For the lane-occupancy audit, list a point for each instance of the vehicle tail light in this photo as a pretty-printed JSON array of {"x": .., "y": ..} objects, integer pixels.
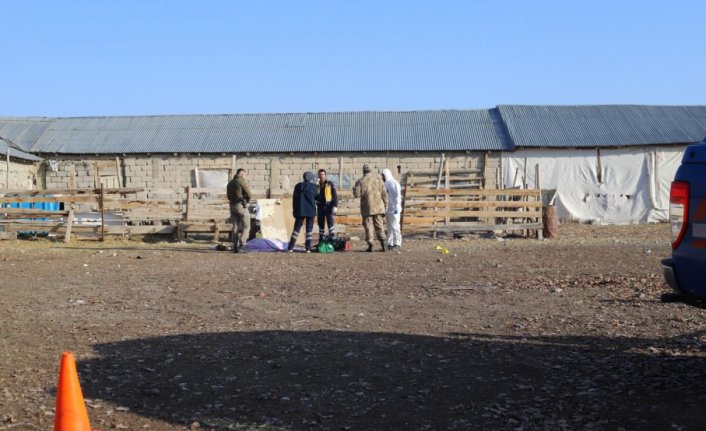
[{"x": 678, "y": 211}]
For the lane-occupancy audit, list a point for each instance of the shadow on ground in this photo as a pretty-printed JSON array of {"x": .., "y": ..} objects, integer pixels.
[{"x": 346, "y": 380}]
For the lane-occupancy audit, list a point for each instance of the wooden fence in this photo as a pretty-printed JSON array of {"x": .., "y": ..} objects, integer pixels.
[
  {"x": 467, "y": 210},
  {"x": 206, "y": 211},
  {"x": 182, "y": 212}
]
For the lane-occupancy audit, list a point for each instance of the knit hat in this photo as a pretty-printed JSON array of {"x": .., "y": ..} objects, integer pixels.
[{"x": 309, "y": 176}]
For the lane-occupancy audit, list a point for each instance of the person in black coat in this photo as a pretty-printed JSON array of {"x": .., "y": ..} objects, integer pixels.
[{"x": 304, "y": 206}]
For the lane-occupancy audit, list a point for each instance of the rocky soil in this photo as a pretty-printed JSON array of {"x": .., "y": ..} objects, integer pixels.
[{"x": 512, "y": 334}]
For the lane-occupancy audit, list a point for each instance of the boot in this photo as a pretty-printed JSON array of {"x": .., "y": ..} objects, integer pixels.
[
  {"x": 383, "y": 245},
  {"x": 236, "y": 245},
  {"x": 370, "y": 248}
]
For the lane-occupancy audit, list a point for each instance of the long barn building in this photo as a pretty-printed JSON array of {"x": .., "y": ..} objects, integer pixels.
[{"x": 607, "y": 163}]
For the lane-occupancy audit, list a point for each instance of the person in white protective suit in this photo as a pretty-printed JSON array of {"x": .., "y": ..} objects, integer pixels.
[{"x": 394, "y": 209}]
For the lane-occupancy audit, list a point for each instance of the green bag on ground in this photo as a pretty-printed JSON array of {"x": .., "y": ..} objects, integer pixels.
[{"x": 325, "y": 247}]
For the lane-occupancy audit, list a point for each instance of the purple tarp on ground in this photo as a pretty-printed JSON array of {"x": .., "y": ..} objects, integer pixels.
[{"x": 263, "y": 244}]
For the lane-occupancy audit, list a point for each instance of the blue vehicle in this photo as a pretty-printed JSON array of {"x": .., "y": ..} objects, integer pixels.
[{"x": 685, "y": 272}]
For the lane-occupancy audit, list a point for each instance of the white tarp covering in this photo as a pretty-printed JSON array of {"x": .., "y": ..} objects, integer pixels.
[
  {"x": 632, "y": 187},
  {"x": 212, "y": 178}
]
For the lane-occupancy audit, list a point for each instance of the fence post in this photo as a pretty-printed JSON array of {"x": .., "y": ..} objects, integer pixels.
[
  {"x": 69, "y": 224},
  {"x": 537, "y": 185},
  {"x": 102, "y": 207}
]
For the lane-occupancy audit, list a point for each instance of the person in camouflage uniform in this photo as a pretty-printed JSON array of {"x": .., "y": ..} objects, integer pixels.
[
  {"x": 239, "y": 197},
  {"x": 373, "y": 202}
]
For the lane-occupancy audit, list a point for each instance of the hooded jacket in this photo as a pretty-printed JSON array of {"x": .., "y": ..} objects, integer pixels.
[
  {"x": 394, "y": 193},
  {"x": 373, "y": 196},
  {"x": 304, "y": 197}
]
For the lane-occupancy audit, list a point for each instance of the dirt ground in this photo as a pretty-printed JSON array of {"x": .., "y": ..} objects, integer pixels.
[{"x": 511, "y": 334}]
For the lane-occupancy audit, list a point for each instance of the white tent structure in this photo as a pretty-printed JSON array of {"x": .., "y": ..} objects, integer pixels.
[
  {"x": 608, "y": 164},
  {"x": 610, "y": 186}
]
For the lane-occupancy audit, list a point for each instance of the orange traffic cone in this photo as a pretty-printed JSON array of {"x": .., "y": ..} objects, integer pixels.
[{"x": 71, "y": 414}]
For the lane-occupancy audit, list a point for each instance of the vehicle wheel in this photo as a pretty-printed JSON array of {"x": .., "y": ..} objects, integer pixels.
[{"x": 672, "y": 297}]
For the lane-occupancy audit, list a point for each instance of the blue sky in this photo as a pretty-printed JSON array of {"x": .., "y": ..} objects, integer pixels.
[{"x": 92, "y": 58}]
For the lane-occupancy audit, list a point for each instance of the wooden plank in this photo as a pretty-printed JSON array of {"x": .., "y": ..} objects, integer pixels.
[
  {"x": 420, "y": 174},
  {"x": 156, "y": 217},
  {"x": 67, "y": 198},
  {"x": 478, "y": 214},
  {"x": 147, "y": 230},
  {"x": 143, "y": 201},
  {"x": 8, "y": 235},
  {"x": 205, "y": 227},
  {"x": 71, "y": 191},
  {"x": 96, "y": 174},
  {"x": 422, "y": 220},
  {"x": 340, "y": 173},
  {"x": 473, "y": 204},
  {"x": 21, "y": 225},
  {"x": 452, "y": 178},
  {"x": 188, "y": 199},
  {"x": 487, "y": 227},
  {"x": 152, "y": 210},
  {"x": 446, "y": 197},
  {"x": 442, "y": 161},
  {"x": 208, "y": 216},
  {"x": 54, "y": 217},
  {"x": 118, "y": 172},
  {"x": 404, "y": 201},
  {"x": 25, "y": 193},
  {"x": 77, "y": 229},
  {"x": 69, "y": 224},
  {"x": 180, "y": 232},
  {"x": 31, "y": 212},
  {"x": 474, "y": 192},
  {"x": 127, "y": 207},
  {"x": 102, "y": 209}
]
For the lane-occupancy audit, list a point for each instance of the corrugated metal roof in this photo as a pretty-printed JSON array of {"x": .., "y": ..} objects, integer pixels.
[
  {"x": 16, "y": 153},
  {"x": 312, "y": 132},
  {"x": 502, "y": 128},
  {"x": 24, "y": 132},
  {"x": 603, "y": 125}
]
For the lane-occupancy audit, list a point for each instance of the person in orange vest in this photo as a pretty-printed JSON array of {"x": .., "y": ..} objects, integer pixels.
[{"x": 326, "y": 205}]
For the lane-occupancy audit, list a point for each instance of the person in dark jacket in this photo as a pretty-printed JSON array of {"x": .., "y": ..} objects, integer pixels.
[
  {"x": 239, "y": 196},
  {"x": 304, "y": 206},
  {"x": 326, "y": 205}
]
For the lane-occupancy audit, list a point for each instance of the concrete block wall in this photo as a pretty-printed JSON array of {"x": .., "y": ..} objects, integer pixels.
[
  {"x": 167, "y": 175},
  {"x": 69, "y": 173},
  {"x": 23, "y": 175}
]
